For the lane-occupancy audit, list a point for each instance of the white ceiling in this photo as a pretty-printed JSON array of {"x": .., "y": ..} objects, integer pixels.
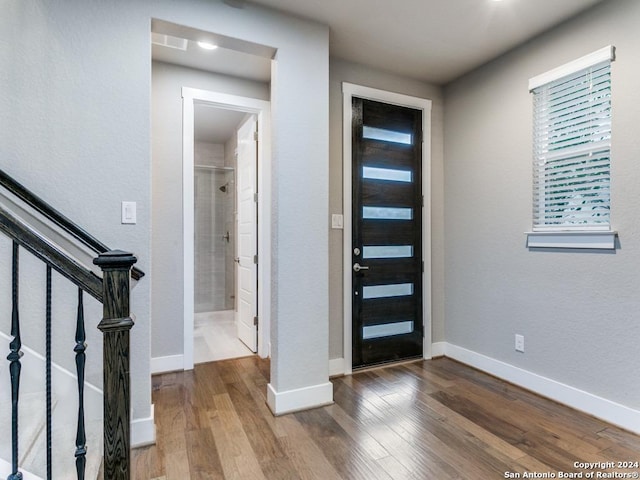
[
  {"x": 431, "y": 40},
  {"x": 215, "y": 125},
  {"x": 221, "y": 60}
]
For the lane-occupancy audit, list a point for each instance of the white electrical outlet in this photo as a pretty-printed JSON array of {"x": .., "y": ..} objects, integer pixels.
[{"x": 519, "y": 343}]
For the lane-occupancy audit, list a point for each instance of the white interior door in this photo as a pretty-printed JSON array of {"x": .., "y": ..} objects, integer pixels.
[{"x": 247, "y": 283}]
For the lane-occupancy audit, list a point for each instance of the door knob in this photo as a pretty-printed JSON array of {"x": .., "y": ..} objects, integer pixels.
[{"x": 357, "y": 267}]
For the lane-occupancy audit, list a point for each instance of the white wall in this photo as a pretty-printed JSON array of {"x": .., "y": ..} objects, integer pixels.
[
  {"x": 75, "y": 102},
  {"x": 342, "y": 71},
  {"x": 578, "y": 311}
]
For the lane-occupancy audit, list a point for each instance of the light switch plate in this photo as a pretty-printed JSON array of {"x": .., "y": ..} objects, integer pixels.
[
  {"x": 129, "y": 212},
  {"x": 337, "y": 221}
]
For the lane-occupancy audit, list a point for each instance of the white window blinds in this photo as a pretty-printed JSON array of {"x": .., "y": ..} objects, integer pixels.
[{"x": 571, "y": 145}]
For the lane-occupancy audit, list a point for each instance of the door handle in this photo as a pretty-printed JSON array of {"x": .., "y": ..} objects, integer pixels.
[{"x": 357, "y": 267}]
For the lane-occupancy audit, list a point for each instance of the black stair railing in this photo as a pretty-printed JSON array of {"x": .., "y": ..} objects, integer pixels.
[
  {"x": 115, "y": 325},
  {"x": 15, "y": 366},
  {"x": 48, "y": 374},
  {"x": 81, "y": 346},
  {"x": 113, "y": 291},
  {"x": 74, "y": 230}
]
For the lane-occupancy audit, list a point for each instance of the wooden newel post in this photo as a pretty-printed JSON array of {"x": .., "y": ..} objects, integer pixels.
[{"x": 115, "y": 325}]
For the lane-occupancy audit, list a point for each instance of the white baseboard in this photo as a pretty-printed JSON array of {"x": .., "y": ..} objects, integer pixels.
[
  {"x": 171, "y": 363},
  {"x": 143, "y": 431},
  {"x": 438, "y": 349},
  {"x": 336, "y": 367},
  {"x": 300, "y": 398},
  {"x": 598, "y": 407}
]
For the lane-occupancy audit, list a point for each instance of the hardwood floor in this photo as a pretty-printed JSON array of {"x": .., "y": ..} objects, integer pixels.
[{"x": 426, "y": 420}]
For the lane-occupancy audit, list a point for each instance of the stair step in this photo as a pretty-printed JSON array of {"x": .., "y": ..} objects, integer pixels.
[
  {"x": 31, "y": 407},
  {"x": 63, "y": 452},
  {"x": 32, "y": 418},
  {"x": 31, "y": 421},
  {"x": 64, "y": 421},
  {"x": 6, "y": 470}
]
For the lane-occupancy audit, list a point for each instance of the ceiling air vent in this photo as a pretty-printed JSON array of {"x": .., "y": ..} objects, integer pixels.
[{"x": 169, "y": 41}]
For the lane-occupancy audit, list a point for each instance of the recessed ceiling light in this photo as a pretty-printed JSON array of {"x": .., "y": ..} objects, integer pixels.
[{"x": 207, "y": 45}]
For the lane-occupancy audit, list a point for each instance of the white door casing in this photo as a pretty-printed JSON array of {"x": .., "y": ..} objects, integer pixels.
[
  {"x": 262, "y": 110},
  {"x": 350, "y": 90},
  {"x": 247, "y": 267}
]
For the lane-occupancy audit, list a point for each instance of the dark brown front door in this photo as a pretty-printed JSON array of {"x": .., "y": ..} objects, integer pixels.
[{"x": 387, "y": 233}]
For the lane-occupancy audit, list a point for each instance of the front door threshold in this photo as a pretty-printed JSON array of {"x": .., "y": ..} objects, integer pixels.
[{"x": 392, "y": 363}]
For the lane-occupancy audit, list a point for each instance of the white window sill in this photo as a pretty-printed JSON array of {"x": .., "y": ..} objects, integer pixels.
[{"x": 598, "y": 240}]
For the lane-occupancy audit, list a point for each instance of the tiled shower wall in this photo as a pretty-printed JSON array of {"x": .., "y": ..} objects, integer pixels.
[
  {"x": 214, "y": 286},
  {"x": 230, "y": 160}
]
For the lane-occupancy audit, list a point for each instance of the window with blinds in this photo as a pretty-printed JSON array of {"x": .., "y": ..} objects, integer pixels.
[{"x": 572, "y": 145}]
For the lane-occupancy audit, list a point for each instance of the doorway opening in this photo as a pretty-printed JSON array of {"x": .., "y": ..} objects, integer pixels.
[
  {"x": 246, "y": 189},
  {"x": 220, "y": 147}
]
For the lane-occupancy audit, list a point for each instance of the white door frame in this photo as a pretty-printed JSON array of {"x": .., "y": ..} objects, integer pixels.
[
  {"x": 349, "y": 91},
  {"x": 262, "y": 109}
]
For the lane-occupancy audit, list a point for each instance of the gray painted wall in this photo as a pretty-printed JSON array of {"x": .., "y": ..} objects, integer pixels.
[
  {"x": 342, "y": 71},
  {"x": 299, "y": 334},
  {"x": 578, "y": 311},
  {"x": 166, "y": 109},
  {"x": 75, "y": 126},
  {"x": 167, "y": 81}
]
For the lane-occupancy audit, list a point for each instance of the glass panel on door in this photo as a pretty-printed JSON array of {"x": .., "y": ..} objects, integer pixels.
[
  {"x": 387, "y": 251},
  {"x": 390, "y": 174},
  {"x": 387, "y": 213},
  {"x": 387, "y": 330},
  {"x": 386, "y": 135}
]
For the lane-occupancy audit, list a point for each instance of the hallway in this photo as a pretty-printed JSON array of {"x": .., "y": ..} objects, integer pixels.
[{"x": 425, "y": 420}]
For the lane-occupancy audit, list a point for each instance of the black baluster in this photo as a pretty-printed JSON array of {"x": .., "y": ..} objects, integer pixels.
[
  {"x": 48, "y": 373},
  {"x": 15, "y": 366},
  {"x": 81, "y": 346}
]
